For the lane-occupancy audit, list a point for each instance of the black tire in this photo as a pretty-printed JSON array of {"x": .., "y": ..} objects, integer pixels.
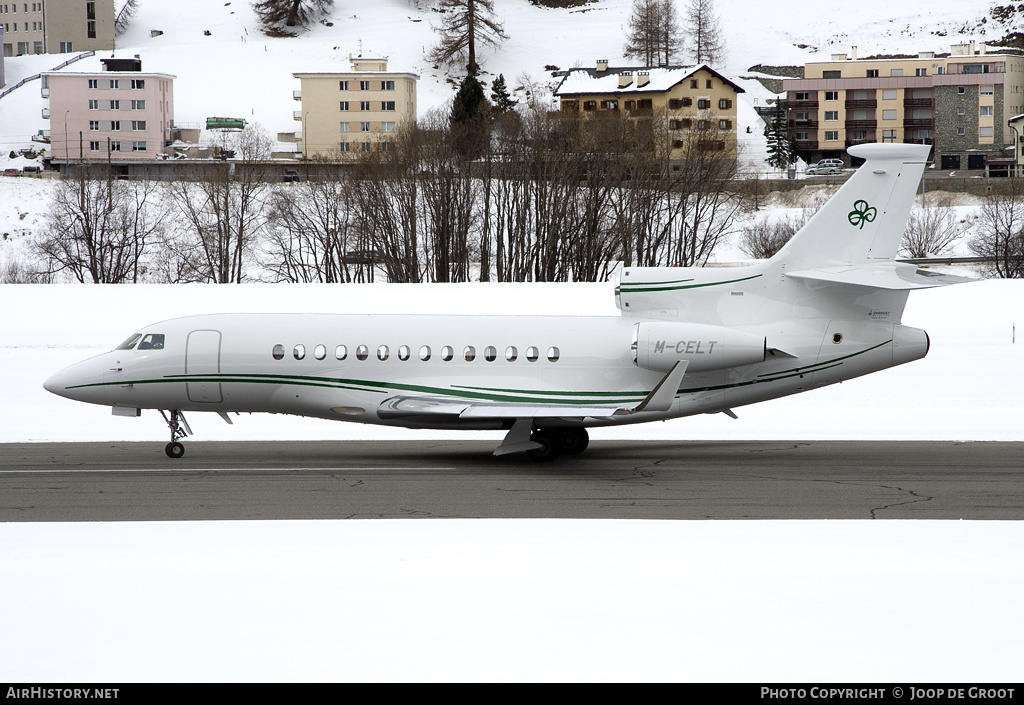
[
  {"x": 548, "y": 450},
  {"x": 174, "y": 450},
  {"x": 572, "y": 441}
]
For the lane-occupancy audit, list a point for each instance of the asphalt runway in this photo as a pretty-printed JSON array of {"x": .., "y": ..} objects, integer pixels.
[{"x": 612, "y": 480}]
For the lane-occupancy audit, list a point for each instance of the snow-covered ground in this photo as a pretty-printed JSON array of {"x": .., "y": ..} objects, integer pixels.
[
  {"x": 515, "y": 600},
  {"x": 501, "y": 600}
]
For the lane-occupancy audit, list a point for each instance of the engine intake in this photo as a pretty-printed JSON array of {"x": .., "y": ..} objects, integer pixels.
[{"x": 658, "y": 345}]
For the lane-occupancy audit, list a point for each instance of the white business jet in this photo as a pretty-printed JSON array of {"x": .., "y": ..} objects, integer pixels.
[{"x": 825, "y": 309}]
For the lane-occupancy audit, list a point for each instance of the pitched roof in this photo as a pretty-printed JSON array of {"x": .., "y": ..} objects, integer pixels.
[{"x": 580, "y": 81}]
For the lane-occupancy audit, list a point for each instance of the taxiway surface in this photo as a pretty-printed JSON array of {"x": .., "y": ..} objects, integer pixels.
[{"x": 438, "y": 479}]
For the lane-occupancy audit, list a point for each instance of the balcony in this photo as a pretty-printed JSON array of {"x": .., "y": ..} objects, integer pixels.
[
  {"x": 917, "y": 102},
  {"x": 44, "y": 92},
  {"x": 866, "y": 103},
  {"x": 46, "y": 113},
  {"x": 927, "y": 123},
  {"x": 851, "y": 143},
  {"x": 297, "y": 115},
  {"x": 806, "y": 145},
  {"x": 809, "y": 124},
  {"x": 927, "y": 140},
  {"x": 799, "y": 104},
  {"x": 296, "y": 95},
  {"x": 861, "y": 124}
]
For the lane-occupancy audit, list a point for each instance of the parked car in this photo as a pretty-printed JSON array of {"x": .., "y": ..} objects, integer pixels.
[
  {"x": 826, "y": 166},
  {"x": 31, "y": 169},
  {"x": 12, "y": 172}
]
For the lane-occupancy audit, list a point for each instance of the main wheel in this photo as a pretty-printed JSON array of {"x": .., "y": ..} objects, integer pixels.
[
  {"x": 572, "y": 441},
  {"x": 548, "y": 450},
  {"x": 174, "y": 450}
]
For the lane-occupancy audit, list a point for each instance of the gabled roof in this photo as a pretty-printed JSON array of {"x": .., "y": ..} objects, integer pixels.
[{"x": 583, "y": 81}]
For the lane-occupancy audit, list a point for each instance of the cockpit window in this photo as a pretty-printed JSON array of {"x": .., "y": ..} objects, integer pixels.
[
  {"x": 152, "y": 341},
  {"x": 130, "y": 343}
]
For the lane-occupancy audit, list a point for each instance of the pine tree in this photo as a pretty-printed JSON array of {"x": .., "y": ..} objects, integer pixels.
[
  {"x": 470, "y": 118},
  {"x": 469, "y": 102},
  {"x": 466, "y": 23},
  {"x": 781, "y": 151},
  {"x": 500, "y": 96},
  {"x": 704, "y": 29},
  {"x": 274, "y": 14}
]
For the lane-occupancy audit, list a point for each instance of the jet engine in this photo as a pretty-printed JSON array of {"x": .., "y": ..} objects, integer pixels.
[{"x": 658, "y": 345}]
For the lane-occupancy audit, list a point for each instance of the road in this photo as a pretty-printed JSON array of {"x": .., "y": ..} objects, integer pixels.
[{"x": 612, "y": 480}]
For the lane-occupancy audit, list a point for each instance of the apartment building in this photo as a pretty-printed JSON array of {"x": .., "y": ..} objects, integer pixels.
[
  {"x": 57, "y": 26},
  {"x": 117, "y": 114},
  {"x": 959, "y": 102},
  {"x": 346, "y": 114},
  {"x": 692, "y": 100}
]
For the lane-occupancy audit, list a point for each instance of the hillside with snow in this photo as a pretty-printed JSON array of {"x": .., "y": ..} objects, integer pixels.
[{"x": 236, "y": 70}]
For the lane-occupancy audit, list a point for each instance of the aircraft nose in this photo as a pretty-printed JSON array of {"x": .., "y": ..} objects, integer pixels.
[
  {"x": 81, "y": 382},
  {"x": 58, "y": 382}
]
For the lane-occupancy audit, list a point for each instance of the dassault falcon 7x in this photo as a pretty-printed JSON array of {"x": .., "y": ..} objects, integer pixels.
[{"x": 826, "y": 308}]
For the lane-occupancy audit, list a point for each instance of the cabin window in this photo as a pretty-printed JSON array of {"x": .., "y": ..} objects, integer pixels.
[
  {"x": 152, "y": 341},
  {"x": 532, "y": 354},
  {"x": 340, "y": 352},
  {"x": 490, "y": 353},
  {"x": 470, "y": 353},
  {"x": 382, "y": 352},
  {"x": 447, "y": 353},
  {"x": 403, "y": 352},
  {"x": 278, "y": 352},
  {"x": 424, "y": 352},
  {"x": 362, "y": 352},
  {"x": 511, "y": 353},
  {"x": 299, "y": 351},
  {"x": 553, "y": 354},
  {"x": 130, "y": 343},
  {"x": 320, "y": 352}
]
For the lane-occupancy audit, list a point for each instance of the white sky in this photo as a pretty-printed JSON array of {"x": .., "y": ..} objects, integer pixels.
[{"x": 498, "y": 599}]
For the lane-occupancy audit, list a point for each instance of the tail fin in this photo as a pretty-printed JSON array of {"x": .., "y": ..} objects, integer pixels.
[{"x": 864, "y": 222}]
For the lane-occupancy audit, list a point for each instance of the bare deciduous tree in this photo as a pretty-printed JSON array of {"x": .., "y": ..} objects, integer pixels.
[
  {"x": 310, "y": 235},
  {"x": 654, "y": 35},
  {"x": 766, "y": 236},
  {"x": 99, "y": 228},
  {"x": 1001, "y": 239},
  {"x": 932, "y": 229},
  {"x": 221, "y": 212},
  {"x": 704, "y": 30}
]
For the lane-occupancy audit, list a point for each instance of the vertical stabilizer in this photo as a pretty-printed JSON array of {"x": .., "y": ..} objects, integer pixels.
[{"x": 864, "y": 222}]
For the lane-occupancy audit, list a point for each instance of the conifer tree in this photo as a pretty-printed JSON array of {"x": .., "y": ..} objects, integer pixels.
[
  {"x": 274, "y": 14},
  {"x": 466, "y": 24},
  {"x": 500, "y": 96}
]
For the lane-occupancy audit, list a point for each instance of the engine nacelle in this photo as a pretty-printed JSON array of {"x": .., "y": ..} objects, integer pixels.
[{"x": 658, "y": 345}]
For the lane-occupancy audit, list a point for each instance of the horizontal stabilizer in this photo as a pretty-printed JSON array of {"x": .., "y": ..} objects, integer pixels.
[{"x": 883, "y": 275}]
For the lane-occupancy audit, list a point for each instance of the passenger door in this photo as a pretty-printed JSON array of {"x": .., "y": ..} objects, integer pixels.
[{"x": 202, "y": 361}]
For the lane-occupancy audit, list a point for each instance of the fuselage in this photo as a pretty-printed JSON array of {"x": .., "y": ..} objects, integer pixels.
[{"x": 345, "y": 367}]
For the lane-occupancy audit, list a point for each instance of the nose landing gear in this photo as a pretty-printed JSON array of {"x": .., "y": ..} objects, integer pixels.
[{"x": 179, "y": 429}]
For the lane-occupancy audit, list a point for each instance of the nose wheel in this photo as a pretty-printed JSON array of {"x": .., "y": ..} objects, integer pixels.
[{"x": 179, "y": 429}]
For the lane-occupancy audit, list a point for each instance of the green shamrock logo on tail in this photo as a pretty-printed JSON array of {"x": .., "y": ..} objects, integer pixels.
[{"x": 861, "y": 213}]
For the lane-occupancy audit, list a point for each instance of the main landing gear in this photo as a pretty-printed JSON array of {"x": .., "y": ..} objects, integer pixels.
[
  {"x": 558, "y": 441},
  {"x": 179, "y": 429}
]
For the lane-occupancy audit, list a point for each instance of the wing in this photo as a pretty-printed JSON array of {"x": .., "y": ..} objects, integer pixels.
[{"x": 404, "y": 406}]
